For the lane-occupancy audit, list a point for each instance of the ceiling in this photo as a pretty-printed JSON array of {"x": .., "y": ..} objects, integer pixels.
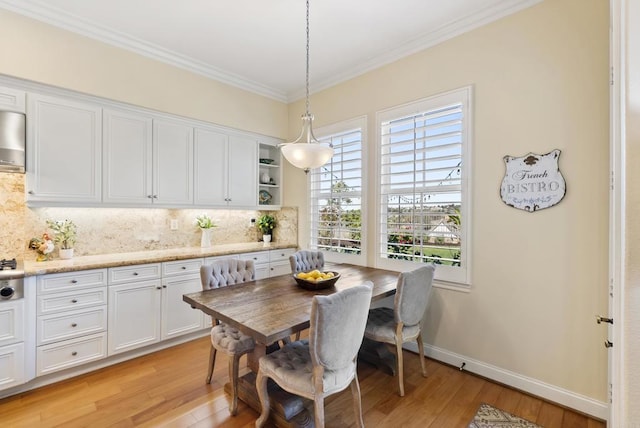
[{"x": 259, "y": 45}]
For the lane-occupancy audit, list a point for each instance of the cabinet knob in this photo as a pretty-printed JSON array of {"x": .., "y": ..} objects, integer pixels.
[
  {"x": 74, "y": 281},
  {"x": 155, "y": 196},
  {"x": 31, "y": 192},
  {"x": 74, "y": 353},
  {"x": 184, "y": 267},
  {"x": 164, "y": 286},
  {"x": 74, "y": 301},
  {"x": 135, "y": 274},
  {"x": 74, "y": 325},
  {"x": 150, "y": 196},
  {"x": 158, "y": 288}
]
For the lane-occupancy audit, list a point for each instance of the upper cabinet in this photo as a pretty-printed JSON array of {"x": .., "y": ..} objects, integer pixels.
[
  {"x": 103, "y": 154},
  {"x": 12, "y": 100},
  {"x": 225, "y": 170},
  {"x": 63, "y": 151}
]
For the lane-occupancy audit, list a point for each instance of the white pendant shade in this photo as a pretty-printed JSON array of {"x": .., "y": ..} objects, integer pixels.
[{"x": 306, "y": 152}]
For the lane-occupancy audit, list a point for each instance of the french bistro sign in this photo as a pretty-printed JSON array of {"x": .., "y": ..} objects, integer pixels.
[{"x": 532, "y": 182}]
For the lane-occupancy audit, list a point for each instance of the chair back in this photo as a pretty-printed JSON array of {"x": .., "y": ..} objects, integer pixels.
[
  {"x": 337, "y": 326},
  {"x": 305, "y": 260},
  {"x": 221, "y": 273},
  {"x": 412, "y": 295}
]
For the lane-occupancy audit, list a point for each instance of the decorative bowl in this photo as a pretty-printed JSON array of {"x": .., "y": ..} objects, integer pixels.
[
  {"x": 319, "y": 284},
  {"x": 266, "y": 161}
]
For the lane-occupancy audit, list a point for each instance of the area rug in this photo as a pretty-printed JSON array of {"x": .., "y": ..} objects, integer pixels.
[{"x": 489, "y": 417}]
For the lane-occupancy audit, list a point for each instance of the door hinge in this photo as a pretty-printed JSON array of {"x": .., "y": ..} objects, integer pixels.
[{"x": 611, "y": 78}]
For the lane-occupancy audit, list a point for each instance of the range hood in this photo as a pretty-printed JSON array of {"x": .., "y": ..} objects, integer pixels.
[{"x": 12, "y": 141}]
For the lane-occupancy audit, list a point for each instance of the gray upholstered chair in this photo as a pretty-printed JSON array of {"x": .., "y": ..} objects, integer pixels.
[
  {"x": 305, "y": 260},
  {"x": 402, "y": 323},
  {"x": 326, "y": 363},
  {"x": 225, "y": 338}
]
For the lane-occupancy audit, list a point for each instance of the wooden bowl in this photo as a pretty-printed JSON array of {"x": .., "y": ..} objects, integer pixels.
[{"x": 317, "y": 285}]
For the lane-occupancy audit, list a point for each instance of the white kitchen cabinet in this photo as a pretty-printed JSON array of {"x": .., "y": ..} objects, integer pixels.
[
  {"x": 172, "y": 163},
  {"x": 12, "y": 100},
  {"x": 12, "y": 322},
  {"x": 279, "y": 261},
  {"x": 63, "y": 151},
  {"x": 12, "y": 365},
  {"x": 225, "y": 169},
  {"x": 269, "y": 175},
  {"x": 127, "y": 147}
]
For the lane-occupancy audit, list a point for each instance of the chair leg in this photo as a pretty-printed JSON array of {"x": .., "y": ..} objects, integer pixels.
[
  {"x": 318, "y": 411},
  {"x": 263, "y": 395},
  {"x": 357, "y": 401},
  {"x": 423, "y": 363},
  {"x": 212, "y": 363},
  {"x": 234, "y": 363},
  {"x": 400, "y": 365}
]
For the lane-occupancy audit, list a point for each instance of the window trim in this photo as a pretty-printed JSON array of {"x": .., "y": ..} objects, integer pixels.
[
  {"x": 359, "y": 122},
  {"x": 446, "y": 276}
]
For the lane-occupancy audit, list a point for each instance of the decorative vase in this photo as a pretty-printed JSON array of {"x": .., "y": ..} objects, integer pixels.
[
  {"x": 205, "y": 239},
  {"x": 66, "y": 253},
  {"x": 266, "y": 239},
  {"x": 264, "y": 178}
]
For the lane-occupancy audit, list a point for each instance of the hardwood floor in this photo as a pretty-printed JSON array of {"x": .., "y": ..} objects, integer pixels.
[{"x": 168, "y": 389}]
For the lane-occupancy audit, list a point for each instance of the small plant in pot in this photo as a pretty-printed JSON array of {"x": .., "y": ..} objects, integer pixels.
[
  {"x": 206, "y": 225},
  {"x": 266, "y": 224},
  {"x": 64, "y": 234}
]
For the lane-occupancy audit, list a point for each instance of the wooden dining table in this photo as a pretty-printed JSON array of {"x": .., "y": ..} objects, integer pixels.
[{"x": 271, "y": 310}]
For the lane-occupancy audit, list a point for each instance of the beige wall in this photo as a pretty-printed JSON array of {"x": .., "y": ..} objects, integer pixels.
[
  {"x": 632, "y": 284},
  {"x": 540, "y": 83}
]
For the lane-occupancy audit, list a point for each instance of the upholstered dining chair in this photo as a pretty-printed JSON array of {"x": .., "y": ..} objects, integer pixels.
[
  {"x": 225, "y": 338},
  {"x": 306, "y": 260},
  {"x": 402, "y": 323},
  {"x": 326, "y": 363}
]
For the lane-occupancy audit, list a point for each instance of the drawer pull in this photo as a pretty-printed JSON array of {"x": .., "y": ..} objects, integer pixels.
[
  {"x": 184, "y": 268},
  {"x": 74, "y": 281},
  {"x": 135, "y": 274},
  {"x": 74, "y": 353},
  {"x": 255, "y": 258},
  {"x": 74, "y": 325},
  {"x": 74, "y": 301},
  {"x": 158, "y": 288}
]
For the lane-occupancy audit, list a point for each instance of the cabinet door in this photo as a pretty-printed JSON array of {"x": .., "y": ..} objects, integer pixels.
[
  {"x": 63, "y": 151},
  {"x": 210, "y": 168},
  {"x": 12, "y": 320},
  {"x": 178, "y": 317},
  {"x": 173, "y": 163},
  {"x": 242, "y": 166},
  {"x": 12, "y": 366},
  {"x": 127, "y": 153},
  {"x": 134, "y": 315}
]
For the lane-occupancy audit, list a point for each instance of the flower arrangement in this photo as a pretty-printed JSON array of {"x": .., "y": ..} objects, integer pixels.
[
  {"x": 64, "y": 233},
  {"x": 266, "y": 224},
  {"x": 44, "y": 246},
  {"x": 204, "y": 222}
]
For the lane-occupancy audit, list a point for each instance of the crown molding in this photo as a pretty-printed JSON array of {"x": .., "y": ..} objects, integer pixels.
[{"x": 49, "y": 15}]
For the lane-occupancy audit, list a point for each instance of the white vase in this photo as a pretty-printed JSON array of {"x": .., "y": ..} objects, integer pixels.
[
  {"x": 66, "y": 253},
  {"x": 205, "y": 239},
  {"x": 266, "y": 239}
]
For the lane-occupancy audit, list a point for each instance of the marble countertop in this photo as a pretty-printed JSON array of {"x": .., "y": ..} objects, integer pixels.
[{"x": 140, "y": 257}]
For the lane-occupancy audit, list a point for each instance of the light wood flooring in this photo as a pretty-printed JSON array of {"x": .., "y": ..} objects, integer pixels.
[{"x": 167, "y": 388}]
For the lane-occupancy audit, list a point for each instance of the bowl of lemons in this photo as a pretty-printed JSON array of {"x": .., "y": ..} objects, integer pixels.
[{"x": 315, "y": 279}]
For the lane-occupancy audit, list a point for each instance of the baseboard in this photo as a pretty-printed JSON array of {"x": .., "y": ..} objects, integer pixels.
[{"x": 581, "y": 403}]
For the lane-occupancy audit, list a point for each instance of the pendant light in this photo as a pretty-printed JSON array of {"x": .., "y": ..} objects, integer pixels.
[{"x": 306, "y": 152}]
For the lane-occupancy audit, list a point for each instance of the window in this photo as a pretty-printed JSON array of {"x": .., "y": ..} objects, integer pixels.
[
  {"x": 336, "y": 194},
  {"x": 424, "y": 170}
]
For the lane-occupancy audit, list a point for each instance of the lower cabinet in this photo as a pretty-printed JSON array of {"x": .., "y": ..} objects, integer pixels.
[{"x": 12, "y": 365}]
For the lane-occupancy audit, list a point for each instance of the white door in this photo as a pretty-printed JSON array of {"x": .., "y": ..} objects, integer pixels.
[
  {"x": 134, "y": 315},
  {"x": 210, "y": 162},
  {"x": 173, "y": 163},
  {"x": 243, "y": 183},
  {"x": 64, "y": 157},
  {"x": 127, "y": 156},
  {"x": 178, "y": 317}
]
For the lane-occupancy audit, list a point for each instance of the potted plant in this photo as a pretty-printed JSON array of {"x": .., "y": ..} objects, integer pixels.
[
  {"x": 206, "y": 225},
  {"x": 64, "y": 234},
  {"x": 266, "y": 224}
]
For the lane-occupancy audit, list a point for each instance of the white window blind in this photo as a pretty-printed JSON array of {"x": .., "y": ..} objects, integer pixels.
[
  {"x": 336, "y": 193},
  {"x": 423, "y": 199}
]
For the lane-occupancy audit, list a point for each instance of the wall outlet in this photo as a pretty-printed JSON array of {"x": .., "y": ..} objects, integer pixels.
[
  {"x": 252, "y": 222},
  {"x": 174, "y": 224}
]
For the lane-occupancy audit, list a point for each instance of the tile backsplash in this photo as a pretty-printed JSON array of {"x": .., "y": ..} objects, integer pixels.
[{"x": 117, "y": 230}]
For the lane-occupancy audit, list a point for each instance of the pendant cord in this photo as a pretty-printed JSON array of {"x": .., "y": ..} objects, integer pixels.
[{"x": 307, "y": 82}]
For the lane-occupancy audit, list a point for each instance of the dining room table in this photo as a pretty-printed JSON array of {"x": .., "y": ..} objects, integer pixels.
[{"x": 271, "y": 310}]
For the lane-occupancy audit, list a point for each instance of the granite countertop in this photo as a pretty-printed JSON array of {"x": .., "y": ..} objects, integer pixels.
[{"x": 100, "y": 261}]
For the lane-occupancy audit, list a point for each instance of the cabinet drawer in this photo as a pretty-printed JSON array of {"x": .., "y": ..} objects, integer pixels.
[
  {"x": 209, "y": 260},
  {"x": 71, "y": 353},
  {"x": 53, "y": 303},
  {"x": 281, "y": 268},
  {"x": 281, "y": 255},
  {"x": 257, "y": 257},
  {"x": 68, "y": 281},
  {"x": 181, "y": 267},
  {"x": 126, "y": 274},
  {"x": 57, "y": 327}
]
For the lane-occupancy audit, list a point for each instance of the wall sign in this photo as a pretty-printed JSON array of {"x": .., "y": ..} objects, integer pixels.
[{"x": 532, "y": 182}]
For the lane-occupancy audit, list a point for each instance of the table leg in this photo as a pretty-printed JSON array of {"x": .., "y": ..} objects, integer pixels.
[{"x": 378, "y": 354}]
